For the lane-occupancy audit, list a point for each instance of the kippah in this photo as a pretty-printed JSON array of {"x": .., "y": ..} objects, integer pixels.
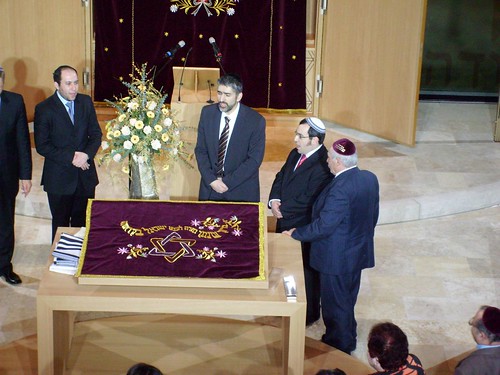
[
  {"x": 344, "y": 147},
  {"x": 316, "y": 124},
  {"x": 491, "y": 319}
]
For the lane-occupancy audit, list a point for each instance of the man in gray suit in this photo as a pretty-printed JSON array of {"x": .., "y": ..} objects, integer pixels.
[
  {"x": 15, "y": 166},
  {"x": 230, "y": 146},
  {"x": 485, "y": 329},
  {"x": 68, "y": 136}
]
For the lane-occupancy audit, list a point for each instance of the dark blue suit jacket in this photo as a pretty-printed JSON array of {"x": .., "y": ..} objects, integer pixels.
[
  {"x": 244, "y": 154},
  {"x": 57, "y": 139},
  {"x": 15, "y": 148},
  {"x": 343, "y": 224},
  {"x": 298, "y": 189}
]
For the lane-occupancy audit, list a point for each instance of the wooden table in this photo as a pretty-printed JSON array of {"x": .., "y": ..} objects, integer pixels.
[{"x": 60, "y": 297}]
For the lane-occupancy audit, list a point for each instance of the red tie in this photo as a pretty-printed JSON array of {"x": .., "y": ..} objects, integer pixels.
[{"x": 302, "y": 159}]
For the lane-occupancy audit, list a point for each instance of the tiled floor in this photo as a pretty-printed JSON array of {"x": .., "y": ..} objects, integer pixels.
[{"x": 437, "y": 245}]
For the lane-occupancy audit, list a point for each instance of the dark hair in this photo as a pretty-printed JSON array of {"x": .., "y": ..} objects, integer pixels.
[
  {"x": 336, "y": 371},
  {"x": 57, "y": 73},
  {"x": 143, "y": 369},
  {"x": 313, "y": 133},
  {"x": 231, "y": 80},
  {"x": 389, "y": 344}
]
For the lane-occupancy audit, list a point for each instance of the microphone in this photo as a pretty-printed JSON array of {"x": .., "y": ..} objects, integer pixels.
[
  {"x": 174, "y": 50},
  {"x": 217, "y": 53},
  {"x": 182, "y": 74}
]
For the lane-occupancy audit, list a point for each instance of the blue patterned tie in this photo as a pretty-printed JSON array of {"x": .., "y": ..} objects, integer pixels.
[{"x": 70, "y": 111}]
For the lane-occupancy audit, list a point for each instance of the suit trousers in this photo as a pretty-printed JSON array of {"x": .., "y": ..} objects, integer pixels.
[
  {"x": 338, "y": 298},
  {"x": 312, "y": 285},
  {"x": 69, "y": 210},
  {"x": 7, "y": 215}
]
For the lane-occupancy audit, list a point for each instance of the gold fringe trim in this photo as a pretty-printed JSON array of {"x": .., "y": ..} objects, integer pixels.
[{"x": 262, "y": 252}]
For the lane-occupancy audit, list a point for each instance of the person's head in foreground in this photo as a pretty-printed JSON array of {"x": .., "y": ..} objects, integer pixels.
[
  {"x": 387, "y": 347},
  {"x": 143, "y": 369}
]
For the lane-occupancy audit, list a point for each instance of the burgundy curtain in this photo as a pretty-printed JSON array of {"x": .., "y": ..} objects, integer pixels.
[{"x": 261, "y": 40}]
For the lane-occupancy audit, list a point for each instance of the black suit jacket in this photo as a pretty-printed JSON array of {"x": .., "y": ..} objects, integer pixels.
[
  {"x": 15, "y": 148},
  {"x": 57, "y": 139},
  {"x": 298, "y": 189},
  {"x": 244, "y": 154}
]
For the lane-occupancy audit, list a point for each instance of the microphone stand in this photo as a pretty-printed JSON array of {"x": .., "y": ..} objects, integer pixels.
[
  {"x": 210, "y": 92},
  {"x": 182, "y": 74},
  {"x": 220, "y": 64},
  {"x": 163, "y": 67}
]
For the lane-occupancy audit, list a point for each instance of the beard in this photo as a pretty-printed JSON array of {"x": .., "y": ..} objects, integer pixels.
[{"x": 225, "y": 107}]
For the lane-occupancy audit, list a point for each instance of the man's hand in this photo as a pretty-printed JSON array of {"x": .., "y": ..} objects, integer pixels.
[
  {"x": 80, "y": 160},
  {"x": 275, "y": 209},
  {"x": 219, "y": 186},
  {"x": 25, "y": 187},
  {"x": 289, "y": 232}
]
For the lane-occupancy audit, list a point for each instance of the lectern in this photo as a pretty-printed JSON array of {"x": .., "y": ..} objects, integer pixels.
[
  {"x": 194, "y": 88},
  {"x": 195, "y": 85}
]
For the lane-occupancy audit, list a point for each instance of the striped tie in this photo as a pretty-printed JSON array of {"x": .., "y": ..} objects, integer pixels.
[{"x": 222, "y": 148}]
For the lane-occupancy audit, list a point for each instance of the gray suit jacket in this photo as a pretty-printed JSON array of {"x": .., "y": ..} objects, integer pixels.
[{"x": 480, "y": 362}]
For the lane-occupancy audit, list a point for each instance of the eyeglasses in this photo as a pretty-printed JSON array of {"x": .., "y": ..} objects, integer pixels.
[{"x": 301, "y": 136}]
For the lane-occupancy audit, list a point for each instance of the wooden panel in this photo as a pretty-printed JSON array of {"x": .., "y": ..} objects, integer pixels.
[
  {"x": 37, "y": 37},
  {"x": 370, "y": 65}
]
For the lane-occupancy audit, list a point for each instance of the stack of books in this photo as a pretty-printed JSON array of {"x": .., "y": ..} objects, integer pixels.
[{"x": 67, "y": 253}]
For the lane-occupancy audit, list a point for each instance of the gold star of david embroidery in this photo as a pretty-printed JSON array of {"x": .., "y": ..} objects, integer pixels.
[{"x": 168, "y": 247}]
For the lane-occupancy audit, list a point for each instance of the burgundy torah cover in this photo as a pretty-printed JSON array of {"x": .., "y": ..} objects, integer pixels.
[{"x": 136, "y": 238}]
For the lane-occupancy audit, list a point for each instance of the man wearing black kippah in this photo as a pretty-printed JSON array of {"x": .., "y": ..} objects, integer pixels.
[{"x": 341, "y": 234}]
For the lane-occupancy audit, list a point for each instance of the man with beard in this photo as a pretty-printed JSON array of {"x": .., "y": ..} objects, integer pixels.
[{"x": 230, "y": 146}]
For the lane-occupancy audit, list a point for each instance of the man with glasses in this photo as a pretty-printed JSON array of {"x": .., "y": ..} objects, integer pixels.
[
  {"x": 485, "y": 329},
  {"x": 296, "y": 186}
]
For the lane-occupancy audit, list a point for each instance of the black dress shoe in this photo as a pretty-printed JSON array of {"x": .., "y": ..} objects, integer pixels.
[{"x": 12, "y": 278}]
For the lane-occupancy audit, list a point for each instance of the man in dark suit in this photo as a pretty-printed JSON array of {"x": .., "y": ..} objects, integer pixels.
[
  {"x": 230, "y": 146},
  {"x": 295, "y": 188},
  {"x": 485, "y": 329},
  {"x": 341, "y": 234},
  {"x": 68, "y": 135},
  {"x": 15, "y": 166}
]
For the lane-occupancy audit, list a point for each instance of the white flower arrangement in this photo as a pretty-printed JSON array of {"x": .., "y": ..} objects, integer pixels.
[{"x": 144, "y": 126}]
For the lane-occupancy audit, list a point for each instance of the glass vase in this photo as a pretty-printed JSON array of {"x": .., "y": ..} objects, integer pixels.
[{"x": 142, "y": 178}]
